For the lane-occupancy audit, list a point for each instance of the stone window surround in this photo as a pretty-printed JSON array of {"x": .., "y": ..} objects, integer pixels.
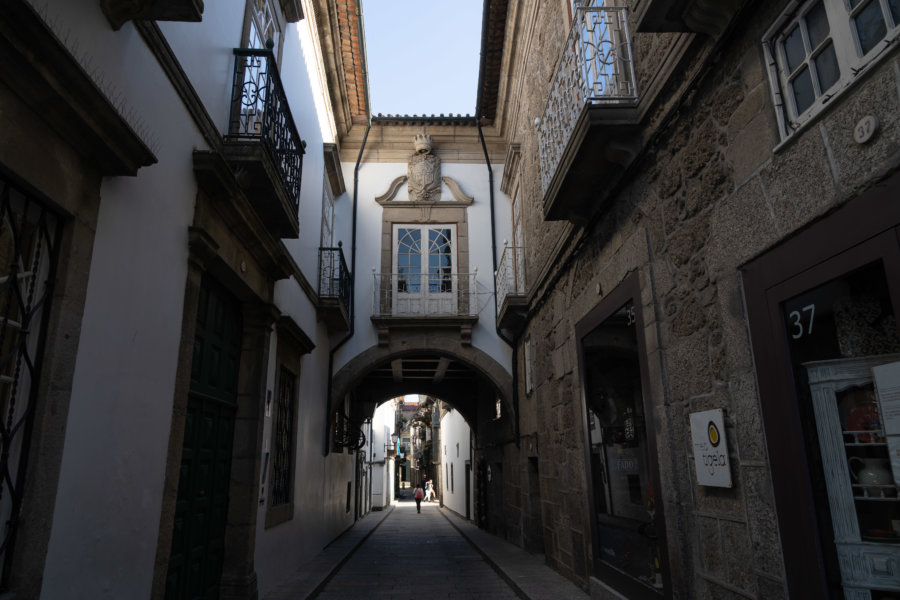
[
  {"x": 292, "y": 344},
  {"x": 424, "y": 213},
  {"x": 860, "y": 231},
  {"x": 851, "y": 64}
]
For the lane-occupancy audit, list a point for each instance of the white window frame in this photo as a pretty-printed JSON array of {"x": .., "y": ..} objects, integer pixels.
[
  {"x": 423, "y": 301},
  {"x": 259, "y": 13},
  {"x": 326, "y": 237},
  {"x": 851, "y": 61}
]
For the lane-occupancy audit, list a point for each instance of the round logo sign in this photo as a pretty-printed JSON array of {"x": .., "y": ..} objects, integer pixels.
[{"x": 713, "y": 433}]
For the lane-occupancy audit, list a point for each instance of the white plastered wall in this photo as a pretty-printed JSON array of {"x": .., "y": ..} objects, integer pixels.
[
  {"x": 374, "y": 181},
  {"x": 455, "y": 450},
  {"x": 107, "y": 509}
]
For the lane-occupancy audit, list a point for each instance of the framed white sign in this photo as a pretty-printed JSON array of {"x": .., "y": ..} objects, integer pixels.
[{"x": 710, "y": 448}]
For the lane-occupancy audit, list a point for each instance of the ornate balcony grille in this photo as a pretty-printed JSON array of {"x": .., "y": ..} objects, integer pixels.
[
  {"x": 259, "y": 111},
  {"x": 347, "y": 433},
  {"x": 29, "y": 246},
  {"x": 334, "y": 276},
  {"x": 595, "y": 68},
  {"x": 510, "y": 275},
  {"x": 425, "y": 295}
]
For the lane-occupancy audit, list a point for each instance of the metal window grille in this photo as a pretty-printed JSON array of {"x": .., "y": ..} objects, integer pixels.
[
  {"x": 29, "y": 245},
  {"x": 283, "y": 435}
]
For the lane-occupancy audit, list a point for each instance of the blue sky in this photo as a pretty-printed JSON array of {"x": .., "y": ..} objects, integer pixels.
[{"x": 423, "y": 55}]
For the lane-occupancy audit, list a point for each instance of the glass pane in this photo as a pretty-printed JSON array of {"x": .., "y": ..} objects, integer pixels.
[
  {"x": 870, "y": 26},
  {"x": 794, "y": 51},
  {"x": 895, "y": 11},
  {"x": 817, "y": 25},
  {"x": 624, "y": 497},
  {"x": 409, "y": 260},
  {"x": 827, "y": 68},
  {"x": 440, "y": 261},
  {"x": 803, "y": 91}
]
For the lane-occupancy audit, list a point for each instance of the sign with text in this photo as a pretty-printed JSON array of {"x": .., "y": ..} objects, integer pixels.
[{"x": 710, "y": 448}]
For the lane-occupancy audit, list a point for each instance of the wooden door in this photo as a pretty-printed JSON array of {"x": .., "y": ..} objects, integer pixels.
[{"x": 198, "y": 538}]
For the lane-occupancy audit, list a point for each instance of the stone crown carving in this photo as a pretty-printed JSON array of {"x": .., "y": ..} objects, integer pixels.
[{"x": 423, "y": 143}]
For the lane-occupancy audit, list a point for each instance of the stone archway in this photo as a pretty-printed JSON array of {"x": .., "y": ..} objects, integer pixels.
[{"x": 426, "y": 363}]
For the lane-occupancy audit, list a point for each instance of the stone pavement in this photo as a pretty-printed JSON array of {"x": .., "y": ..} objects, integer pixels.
[{"x": 435, "y": 554}]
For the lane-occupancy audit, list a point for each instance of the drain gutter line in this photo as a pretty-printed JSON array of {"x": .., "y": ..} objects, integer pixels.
[
  {"x": 352, "y": 311},
  {"x": 511, "y": 342}
]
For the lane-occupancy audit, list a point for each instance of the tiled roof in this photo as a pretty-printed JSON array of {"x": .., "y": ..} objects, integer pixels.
[
  {"x": 352, "y": 49},
  {"x": 493, "y": 33},
  {"x": 450, "y": 119}
]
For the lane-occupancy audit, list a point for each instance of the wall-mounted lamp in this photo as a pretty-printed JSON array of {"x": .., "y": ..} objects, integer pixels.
[{"x": 388, "y": 448}]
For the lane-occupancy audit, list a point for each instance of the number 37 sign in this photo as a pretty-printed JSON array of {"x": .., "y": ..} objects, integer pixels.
[{"x": 710, "y": 448}]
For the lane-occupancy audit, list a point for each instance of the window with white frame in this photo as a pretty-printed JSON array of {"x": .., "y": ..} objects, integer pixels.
[
  {"x": 817, "y": 48},
  {"x": 327, "y": 238},
  {"x": 262, "y": 22}
]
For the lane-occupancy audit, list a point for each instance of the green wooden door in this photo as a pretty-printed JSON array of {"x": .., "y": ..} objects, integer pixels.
[{"x": 198, "y": 537}]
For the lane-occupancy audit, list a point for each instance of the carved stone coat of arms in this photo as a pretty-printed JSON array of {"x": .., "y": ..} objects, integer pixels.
[{"x": 424, "y": 172}]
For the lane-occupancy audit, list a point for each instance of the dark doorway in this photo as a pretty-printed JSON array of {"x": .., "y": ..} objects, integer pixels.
[
  {"x": 198, "y": 539},
  {"x": 534, "y": 527}
]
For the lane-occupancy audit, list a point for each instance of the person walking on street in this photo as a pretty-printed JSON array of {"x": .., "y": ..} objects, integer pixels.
[
  {"x": 429, "y": 491},
  {"x": 418, "y": 496}
]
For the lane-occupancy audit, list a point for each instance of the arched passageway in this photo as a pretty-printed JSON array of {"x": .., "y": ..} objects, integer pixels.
[
  {"x": 466, "y": 380},
  {"x": 464, "y": 376}
]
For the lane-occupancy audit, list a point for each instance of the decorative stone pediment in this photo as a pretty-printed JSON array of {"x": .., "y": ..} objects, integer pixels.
[{"x": 460, "y": 198}]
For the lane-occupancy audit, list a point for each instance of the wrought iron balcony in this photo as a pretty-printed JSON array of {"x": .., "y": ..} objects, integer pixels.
[
  {"x": 417, "y": 300},
  {"x": 510, "y": 281},
  {"x": 262, "y": 143},
  {"x": 335, "y": 285},
  {"x": 588, "y": 130}
]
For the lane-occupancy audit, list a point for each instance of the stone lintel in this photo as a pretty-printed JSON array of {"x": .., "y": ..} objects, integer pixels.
[
  {"x": 43, "y": 72},
  {"x": 119, "y": 12},
  {"x": 461, "y": 324}
]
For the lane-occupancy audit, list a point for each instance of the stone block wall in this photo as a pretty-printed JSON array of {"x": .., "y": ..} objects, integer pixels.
[{"x": 713, "y": 188}]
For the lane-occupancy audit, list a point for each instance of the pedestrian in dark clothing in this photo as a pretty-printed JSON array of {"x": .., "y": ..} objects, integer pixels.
[{"x": 419, "y": 494}]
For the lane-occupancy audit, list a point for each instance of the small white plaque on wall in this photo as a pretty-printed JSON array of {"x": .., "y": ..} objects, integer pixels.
[{"x": 710, "y": 448}]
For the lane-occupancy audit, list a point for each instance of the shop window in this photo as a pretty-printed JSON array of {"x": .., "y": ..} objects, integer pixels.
[
  {"x": 818, "y": 49},
  {"x": 823, "y": 313},
  {"x": 627, "y": 523}
]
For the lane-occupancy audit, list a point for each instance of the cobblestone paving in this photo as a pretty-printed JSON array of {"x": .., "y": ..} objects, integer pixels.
[{"x": 416, "y": 556}]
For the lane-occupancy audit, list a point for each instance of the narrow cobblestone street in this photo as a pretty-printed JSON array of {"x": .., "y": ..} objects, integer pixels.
[{"x": 416, "y": 555}]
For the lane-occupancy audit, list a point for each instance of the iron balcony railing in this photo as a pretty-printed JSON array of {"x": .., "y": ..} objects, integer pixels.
[
  {"x": 334, "y": 276},
  {"x": 595, "y": 68},
  {"x": 425, "y": 295},
  {"x": 260, "y": 112},
  {"x": 510, "y": 275}
]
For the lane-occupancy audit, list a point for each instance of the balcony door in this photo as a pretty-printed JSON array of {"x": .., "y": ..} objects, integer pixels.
[{"x": 424, "y": 267}]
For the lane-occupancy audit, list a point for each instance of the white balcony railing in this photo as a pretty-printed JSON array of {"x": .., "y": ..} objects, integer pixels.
[
  {"x": 510, "y": 275},
  {"x": 595, "y": 68},
  {"x": 425, "y": 295}
]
